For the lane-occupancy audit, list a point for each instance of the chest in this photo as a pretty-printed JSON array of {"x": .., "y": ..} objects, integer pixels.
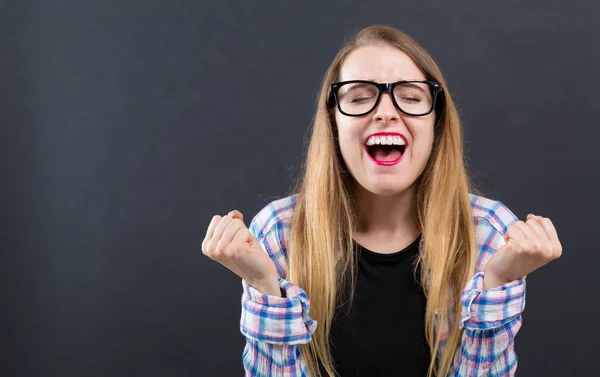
[{"x": 384, "y": 326}]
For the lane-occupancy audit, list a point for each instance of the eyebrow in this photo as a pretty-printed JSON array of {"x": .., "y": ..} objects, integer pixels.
[
  {"x": 373, "y": 80},
  {"x": 415, "y": 86}
]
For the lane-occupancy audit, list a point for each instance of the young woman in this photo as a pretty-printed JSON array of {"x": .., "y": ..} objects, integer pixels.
[{"x": 385, "y": 256}]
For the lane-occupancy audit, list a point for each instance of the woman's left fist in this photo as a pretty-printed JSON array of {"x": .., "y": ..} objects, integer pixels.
[{"x": 529, "y": 246}]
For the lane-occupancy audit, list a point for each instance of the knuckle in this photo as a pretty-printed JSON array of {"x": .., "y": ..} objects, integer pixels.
[
  {"x": 215, "y": 220},
  {"x": 208, "y": 250},
  {"x": 226, "y": 251},
  {"x": 209, "y": 245},
  {"x": 232, "y": 252},
  {"x": 558, "y": 251},
  {"x": 220, "y": 249}
]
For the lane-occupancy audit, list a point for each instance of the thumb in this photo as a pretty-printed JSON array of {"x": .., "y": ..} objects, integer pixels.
[
  {"x": 236, "y": 214},
  {"x": 243, "y": 237}
]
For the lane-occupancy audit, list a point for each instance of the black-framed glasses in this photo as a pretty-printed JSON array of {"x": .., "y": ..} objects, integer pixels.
[{"x": 411, "y": 97}]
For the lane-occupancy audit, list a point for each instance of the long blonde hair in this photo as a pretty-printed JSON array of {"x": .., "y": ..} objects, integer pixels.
[{"x": 325, "y": 218}]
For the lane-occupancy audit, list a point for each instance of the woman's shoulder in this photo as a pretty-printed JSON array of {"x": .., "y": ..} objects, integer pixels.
[
  {"x": 492, "y": 212},
  {"x": 276, "y": 217}
]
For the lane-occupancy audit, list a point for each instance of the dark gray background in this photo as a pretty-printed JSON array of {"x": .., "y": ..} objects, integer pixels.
[{"x": 126, "y": 125}]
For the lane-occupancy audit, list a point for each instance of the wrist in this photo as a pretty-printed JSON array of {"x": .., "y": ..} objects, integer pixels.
[
  {"x": 269, "y": 286},
  {"x": 492, "y": 280}
]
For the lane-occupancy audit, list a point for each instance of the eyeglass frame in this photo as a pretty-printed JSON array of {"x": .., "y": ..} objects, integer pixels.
[{"x": 387, "y": 88}]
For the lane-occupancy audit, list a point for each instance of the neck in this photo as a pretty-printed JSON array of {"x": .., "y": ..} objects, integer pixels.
[{"x": 388, "y": 216}]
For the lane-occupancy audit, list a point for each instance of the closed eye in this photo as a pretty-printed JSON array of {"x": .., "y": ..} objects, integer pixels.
[
  {"x": 362, "y": 100},
  {"x": 411, "y": 100}
]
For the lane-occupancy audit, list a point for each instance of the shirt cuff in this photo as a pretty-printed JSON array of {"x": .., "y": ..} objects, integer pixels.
[
  {"x": 279, "y": 320},
  {"x": 288, "y": 290},
  {"x": 491, "y": 308}
]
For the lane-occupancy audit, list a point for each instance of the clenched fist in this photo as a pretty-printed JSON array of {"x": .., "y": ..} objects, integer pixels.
[
  {"x": 529, "y": 246},
  {"x": 229, "y": 242}
]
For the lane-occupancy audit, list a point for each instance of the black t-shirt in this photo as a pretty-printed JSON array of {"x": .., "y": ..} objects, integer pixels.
[{"x": 384, "y": 334}]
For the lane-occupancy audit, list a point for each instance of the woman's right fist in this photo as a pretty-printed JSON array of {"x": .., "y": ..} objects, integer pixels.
[{"x": 229, "y": 242}]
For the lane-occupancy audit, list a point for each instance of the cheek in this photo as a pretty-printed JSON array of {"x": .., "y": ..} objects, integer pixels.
[
  {"x": 423, "y": 138},
  {"x": 349, "y": 138}
]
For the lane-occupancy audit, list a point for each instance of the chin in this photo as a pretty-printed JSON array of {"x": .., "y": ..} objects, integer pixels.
[{"x": 386, "y": 190}]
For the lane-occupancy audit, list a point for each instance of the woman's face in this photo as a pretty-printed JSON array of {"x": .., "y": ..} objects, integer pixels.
[{"x": 374, "y": 168}]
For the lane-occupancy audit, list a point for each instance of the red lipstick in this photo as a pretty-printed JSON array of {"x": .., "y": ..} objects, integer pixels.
[{"x": 386, "y": 162}]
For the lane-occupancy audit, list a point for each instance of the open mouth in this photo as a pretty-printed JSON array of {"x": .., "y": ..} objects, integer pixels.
[
  {"x": 385, "y": 153},
  {"x": 385, "y": 148}
]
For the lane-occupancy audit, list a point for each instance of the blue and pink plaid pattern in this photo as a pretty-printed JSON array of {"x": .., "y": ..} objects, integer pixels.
[{"x": 275, "y": 327}]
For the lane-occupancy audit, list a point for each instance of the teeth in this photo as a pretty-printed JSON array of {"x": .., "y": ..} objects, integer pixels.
[{"x": 386, "y": 140}]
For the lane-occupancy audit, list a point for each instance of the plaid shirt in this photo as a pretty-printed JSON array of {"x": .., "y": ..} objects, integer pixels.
[{"x": 275, "y": 327}]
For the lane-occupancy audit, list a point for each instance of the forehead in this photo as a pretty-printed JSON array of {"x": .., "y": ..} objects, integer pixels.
[{"x": 379, "y": 63}]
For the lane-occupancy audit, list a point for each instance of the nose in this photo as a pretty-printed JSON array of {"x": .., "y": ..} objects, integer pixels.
[{"x": 385, "y": 110}]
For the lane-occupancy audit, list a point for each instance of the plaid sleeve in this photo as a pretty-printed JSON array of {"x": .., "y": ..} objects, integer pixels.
[
  {"x": 491, "y": 318},
  {"x": 486, "y": 309},
  {"x": 277, "y": 320},
  {"x": 274, "y": 327}
]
